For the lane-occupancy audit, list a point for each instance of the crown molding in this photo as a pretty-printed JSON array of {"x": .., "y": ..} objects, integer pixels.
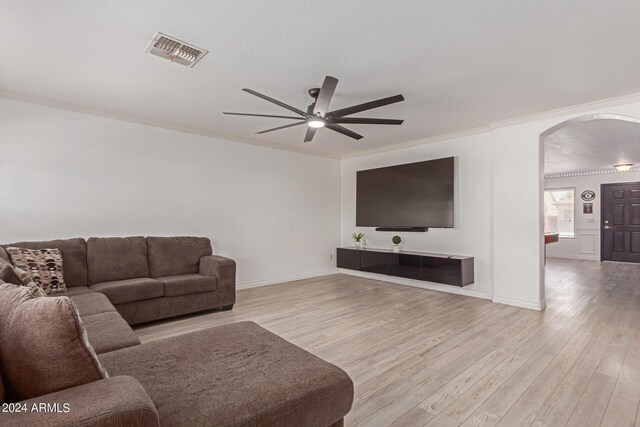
[
  {"x": 588, "y": 173},
  {"x": 566, "y": 111},
  {"x": 418, "y": 142},
  {"x": 77, "y": 108},
  {"x": 575, "y": 109}
]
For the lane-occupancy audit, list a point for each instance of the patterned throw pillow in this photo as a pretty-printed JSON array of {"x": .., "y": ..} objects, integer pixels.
[
  {"x": 43, "y": 265},
  {"x": 27, "y": 281}
]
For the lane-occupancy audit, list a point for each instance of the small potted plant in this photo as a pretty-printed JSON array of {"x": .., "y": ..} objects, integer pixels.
[
  {"x": 396, "y": 243},
  {"x": 357, "y": 238}
]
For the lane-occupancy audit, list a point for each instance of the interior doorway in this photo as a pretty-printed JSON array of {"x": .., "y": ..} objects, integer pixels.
[
  {"x": 590, "y": 194},
  {"x": 620, "y": 226}
]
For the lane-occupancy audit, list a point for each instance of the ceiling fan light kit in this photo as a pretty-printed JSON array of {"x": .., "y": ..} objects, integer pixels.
[
  {"x": 318, "y": 114},
  {"x": 624, "y": 167}
]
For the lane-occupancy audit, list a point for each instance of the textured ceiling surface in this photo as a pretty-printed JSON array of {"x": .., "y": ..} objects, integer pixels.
[
  {"x": 592, "y": 145},
  {"x": 459, "y": 64}
]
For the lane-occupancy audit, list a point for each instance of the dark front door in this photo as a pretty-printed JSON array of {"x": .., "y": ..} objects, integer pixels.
[{"x": 621, "y": 222}]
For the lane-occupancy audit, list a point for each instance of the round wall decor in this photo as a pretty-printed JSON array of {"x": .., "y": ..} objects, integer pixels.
[{"x": 588, "y": 195}]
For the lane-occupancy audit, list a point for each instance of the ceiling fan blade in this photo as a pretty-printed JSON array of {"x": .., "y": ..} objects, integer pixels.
[
  {"x": 264, "y": 115},
  {"x": 325, "y": 95},
  {"x": 343, "y": 130},
  {"x": 310, "y": 133},
  {"x": 279, "y": 127},
  {"x": 366, "y": 121},
  {"x": 275, "y": 101},
  {"x": 366, "y": 106}
]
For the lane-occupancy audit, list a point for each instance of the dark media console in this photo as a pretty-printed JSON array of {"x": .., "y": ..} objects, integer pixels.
[
  {"x": 405, "y": 229},
  {"x": 446, "y": 269}
]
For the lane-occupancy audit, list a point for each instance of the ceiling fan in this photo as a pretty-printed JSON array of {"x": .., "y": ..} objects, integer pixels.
[{"x": 317, "y": 114}]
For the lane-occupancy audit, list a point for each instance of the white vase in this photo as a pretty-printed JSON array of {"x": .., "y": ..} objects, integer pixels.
[
  {"x": 396, "y": 248},
  {"x": 358, "y": 245}
]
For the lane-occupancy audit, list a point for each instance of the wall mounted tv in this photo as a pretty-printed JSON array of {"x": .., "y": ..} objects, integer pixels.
[{"x": 413, "y": 196}]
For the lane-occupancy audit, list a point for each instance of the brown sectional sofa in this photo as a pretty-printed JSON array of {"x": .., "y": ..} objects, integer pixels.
[
  {"x": 232, "y": 375},
  {"x": 148, "y": 278}
]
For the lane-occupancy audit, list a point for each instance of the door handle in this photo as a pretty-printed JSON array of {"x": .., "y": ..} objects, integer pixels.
[{"x": 606, "y": 227}]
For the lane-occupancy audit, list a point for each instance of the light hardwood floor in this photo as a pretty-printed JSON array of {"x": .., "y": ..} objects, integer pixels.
[{"x": 420, "y": 357}]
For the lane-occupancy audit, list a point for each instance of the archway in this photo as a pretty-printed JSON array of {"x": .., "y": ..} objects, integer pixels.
[{"x": 590, "y": 168}]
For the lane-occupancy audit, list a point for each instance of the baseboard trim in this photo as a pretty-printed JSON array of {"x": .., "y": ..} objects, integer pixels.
[
  {"x": 275, "y": 281},
  {"x": 539, "y": 306},
  {"x": 418, "y": 284},
  {"x": 575, "y": 257}
]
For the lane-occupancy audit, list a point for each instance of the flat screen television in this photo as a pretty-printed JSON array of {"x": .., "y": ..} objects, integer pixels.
[{"x": 405, "y": 196}]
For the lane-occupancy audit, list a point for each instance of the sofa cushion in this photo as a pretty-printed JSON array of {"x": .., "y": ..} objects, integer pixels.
[
  {"x": 108, "y": 331},
  {"x": 8, "y": 273},
  {"x": 116, "y": 258},
  {"x": 238, "y": 374},
  {"x": 169, "y": 256},
  {"x": 77, "y": 290},
  {"x": 112, "y": 402},
  {"x": 74, "y": 257},
  {"x": 186, "y": 284},
  {"x": 16, "y": 276},
  {"x": 89, "y": 303},
  {"x": 44, "y": 344},
  {"x": 130, "y": 290},
  {"x": 43, "y": 265},
  {"x": 4, "y": 255},
  {"x": 161, "y": 308}
]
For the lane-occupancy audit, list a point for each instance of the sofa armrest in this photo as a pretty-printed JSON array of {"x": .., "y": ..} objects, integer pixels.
[
  {"x": 115, "y": 401},
  {"x": 225, "y": 270}
]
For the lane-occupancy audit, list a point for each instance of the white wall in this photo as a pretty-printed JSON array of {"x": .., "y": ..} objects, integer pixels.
[
  {"x": 472, "y": 234},
  {"x": 518, "y": 187},
  {"x": 586, "y": 244},
  {"x": 499, "y": 203},
  {"x": 279, "y": 214},
  {"x": 67, "y": 174}
]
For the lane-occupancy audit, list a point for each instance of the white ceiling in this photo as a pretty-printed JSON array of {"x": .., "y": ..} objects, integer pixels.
[
  {"x": 460, "y": 64},
  {"x": 592, "y": 145}
]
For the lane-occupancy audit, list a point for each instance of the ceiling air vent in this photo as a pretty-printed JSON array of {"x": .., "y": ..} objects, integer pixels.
[{"x": 175, "y": 50}]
